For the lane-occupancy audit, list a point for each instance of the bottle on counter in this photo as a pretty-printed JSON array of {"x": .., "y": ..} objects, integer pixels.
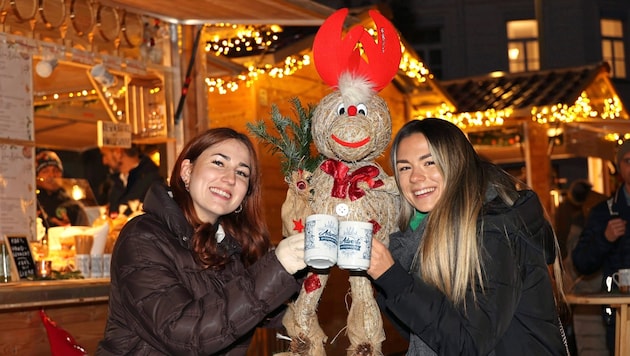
[{"x": 5, "y": 263}]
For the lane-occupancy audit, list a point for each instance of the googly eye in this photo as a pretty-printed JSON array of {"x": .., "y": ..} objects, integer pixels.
[
  {"x": 341, "y": 109},
  {"x": 362, "y": 109}
]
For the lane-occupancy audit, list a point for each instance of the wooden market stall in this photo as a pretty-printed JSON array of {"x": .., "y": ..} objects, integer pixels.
[
  {"x": 55, "y": 48},
  {"x": 535, "y": 117},
  {"x": 151, "y": 44}
]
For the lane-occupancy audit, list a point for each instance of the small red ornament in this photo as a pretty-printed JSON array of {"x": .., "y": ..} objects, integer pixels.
[
  {"x": 298, "y": 225},
  {"x": 312, "y": 283}
]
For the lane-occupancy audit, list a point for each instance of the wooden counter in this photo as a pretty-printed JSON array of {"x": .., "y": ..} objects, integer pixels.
[
  {"x": 621, "y": 303},
  {"x": 77, "y": 305},
  {"x": 80, "y": 307}
]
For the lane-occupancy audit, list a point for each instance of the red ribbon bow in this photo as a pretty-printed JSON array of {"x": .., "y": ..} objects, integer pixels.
[{"x": 347, "y": 185}]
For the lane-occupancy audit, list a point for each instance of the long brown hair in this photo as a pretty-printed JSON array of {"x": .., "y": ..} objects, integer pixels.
[
  {"x": 450, "y": 251},
  {"x": 247, "y": 226}
]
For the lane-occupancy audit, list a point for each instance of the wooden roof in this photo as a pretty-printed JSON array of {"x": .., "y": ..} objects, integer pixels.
[
  {"x": 197, "y": 12},
  {"x": 523, "y": 91}
]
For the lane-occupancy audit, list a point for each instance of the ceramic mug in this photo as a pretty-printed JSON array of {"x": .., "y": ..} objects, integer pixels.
[
  {"x": 355, "y": 245},
  {"x": 622, "y": 280},
  {"x": 320, "y": 240}
]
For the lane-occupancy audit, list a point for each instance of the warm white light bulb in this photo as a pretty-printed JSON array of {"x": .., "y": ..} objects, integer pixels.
[{"x": 44, "y": 68}]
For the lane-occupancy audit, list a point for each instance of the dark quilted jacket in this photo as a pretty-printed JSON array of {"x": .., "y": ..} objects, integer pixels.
[
  {"x": 162, "y": 303},
  {"x": 515, "y": 316}
]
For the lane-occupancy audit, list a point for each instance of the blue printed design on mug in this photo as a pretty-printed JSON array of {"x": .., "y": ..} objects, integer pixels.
[
  {"x": 327, "y": 234},
  {"x": 354, "y": 240}
]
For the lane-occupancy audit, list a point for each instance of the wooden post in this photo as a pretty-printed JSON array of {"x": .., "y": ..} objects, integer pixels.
[{"x": 538, "y": 162}]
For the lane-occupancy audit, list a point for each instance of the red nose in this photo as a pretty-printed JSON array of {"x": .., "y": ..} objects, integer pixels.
[{"x": 352, "y": 110}]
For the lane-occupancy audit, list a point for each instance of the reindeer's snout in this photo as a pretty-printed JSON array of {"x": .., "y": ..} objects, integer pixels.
[{"x": 352, "y": 110}]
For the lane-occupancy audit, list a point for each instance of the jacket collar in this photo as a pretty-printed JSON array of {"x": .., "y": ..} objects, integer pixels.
[{"x": 159, "y": 202}]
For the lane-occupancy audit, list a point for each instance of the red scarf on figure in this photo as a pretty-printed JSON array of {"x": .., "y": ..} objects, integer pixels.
[{"x": 347, "y": 185}]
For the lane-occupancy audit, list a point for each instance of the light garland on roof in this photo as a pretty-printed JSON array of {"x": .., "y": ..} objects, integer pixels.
[
  {"x": 582, "y": 110},
  {"x": 226, "y": 85},
  {"x": 412, "y": 67},
  {"x": 66, "y": 96},
  {"x": 241, "y": 39},
  {"x": 487, "y": 118}
]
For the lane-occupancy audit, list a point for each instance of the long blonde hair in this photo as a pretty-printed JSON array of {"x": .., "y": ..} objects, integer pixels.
[{"x": 449, "y": 255}]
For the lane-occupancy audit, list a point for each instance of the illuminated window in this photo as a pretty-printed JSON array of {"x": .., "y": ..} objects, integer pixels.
[
  {"x": 612, "y": 47},
  {"x": 523, "y": 52}
]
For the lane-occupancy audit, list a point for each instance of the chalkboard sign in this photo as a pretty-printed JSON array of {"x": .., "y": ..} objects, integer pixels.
[{"x": 20, "y": 251}]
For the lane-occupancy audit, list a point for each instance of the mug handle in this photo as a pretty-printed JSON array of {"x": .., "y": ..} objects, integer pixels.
[{"x": 615, "y": 278}]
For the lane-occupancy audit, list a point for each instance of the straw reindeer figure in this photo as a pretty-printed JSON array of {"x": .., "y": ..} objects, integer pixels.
[{"x": 351, "y": 127}]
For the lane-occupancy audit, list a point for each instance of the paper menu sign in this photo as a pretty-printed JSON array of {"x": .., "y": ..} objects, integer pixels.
[{"x": 111, "y": 134}]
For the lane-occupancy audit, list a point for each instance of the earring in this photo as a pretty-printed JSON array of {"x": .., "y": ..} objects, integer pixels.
[
  {"x": 187, "y": 186},
  {"x": 239, "y": 209}
]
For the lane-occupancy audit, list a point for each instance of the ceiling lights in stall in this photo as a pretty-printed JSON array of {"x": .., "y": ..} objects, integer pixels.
[{"x": 249, "y": 51}]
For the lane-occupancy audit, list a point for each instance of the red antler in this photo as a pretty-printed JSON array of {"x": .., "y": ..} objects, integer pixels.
[
  {"x": 333, "y": 54},
  {"x": 330, "y": 52}
]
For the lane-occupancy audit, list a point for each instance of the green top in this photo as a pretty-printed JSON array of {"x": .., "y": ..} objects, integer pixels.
[{"x": 416, "y": 219}]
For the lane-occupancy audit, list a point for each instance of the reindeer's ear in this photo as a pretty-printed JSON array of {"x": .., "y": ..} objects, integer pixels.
[
  {"x": 383, "y": 56},
  {"x": 331, "y": 51},
  {"x": 334, "y": 54}
]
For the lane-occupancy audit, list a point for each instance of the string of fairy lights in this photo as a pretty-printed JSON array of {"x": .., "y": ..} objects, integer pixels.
[
  {"x": 582, "y": 109},
  {"x": 238, "y": 40}
]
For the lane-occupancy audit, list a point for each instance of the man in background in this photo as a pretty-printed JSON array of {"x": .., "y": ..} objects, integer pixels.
[
  {"x": 132, "y": 173},
  {"x": 605, "y": 241},
  {"x": 55, "y": 206},
  {"x": 572, "y": 213}
]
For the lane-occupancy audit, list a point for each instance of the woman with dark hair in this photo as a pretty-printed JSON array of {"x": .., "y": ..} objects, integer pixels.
[
  {"x": 196, "y": 273},
  {"x": 468, "y": 272}
]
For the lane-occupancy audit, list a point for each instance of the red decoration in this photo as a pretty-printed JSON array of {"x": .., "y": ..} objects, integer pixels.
[
  {"x": 298, "y": 225},
  {"x": 334, "y": 54},
  {"x": 348, "y": 185},
  {"x": 376, "y": 227},
  {"x": 312, "y": 283},
  {"x": 61, "y": 342}
]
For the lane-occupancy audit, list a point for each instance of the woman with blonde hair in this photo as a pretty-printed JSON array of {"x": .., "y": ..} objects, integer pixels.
[{"x": 468, "y": 272}]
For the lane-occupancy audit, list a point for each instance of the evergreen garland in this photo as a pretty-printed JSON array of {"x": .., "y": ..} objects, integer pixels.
[{"x": 292, "y": 139}]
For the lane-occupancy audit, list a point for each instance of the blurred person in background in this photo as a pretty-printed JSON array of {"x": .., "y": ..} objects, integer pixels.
[
  {"x": 572, "y": 213},
  {"x": 132, "y": 173},
  {"x": 605, "y": 240},
  {"x": 55, "y": 206}
]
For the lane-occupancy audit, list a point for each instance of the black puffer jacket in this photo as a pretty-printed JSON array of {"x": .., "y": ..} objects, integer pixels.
[
  {"x": 162, "y": 303},
  {"x": 516, "y": 314}
]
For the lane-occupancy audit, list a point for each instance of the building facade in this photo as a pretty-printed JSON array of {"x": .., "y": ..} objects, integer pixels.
[{"x": 464, "y": 38}]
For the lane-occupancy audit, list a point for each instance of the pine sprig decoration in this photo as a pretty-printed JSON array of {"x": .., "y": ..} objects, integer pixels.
[{"x": 291, "y": 139}]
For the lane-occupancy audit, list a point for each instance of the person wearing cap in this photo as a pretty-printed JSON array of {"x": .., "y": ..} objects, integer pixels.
[
  {"x": 605, "y": 240},
  {"x": 55, "y": 206}
]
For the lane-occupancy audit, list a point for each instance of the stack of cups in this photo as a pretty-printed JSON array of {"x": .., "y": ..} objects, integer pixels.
[
  {"x": 97, "y": 257},
  {"x": 83, "y": 246},
  {"x": 328, "y": 242}
]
